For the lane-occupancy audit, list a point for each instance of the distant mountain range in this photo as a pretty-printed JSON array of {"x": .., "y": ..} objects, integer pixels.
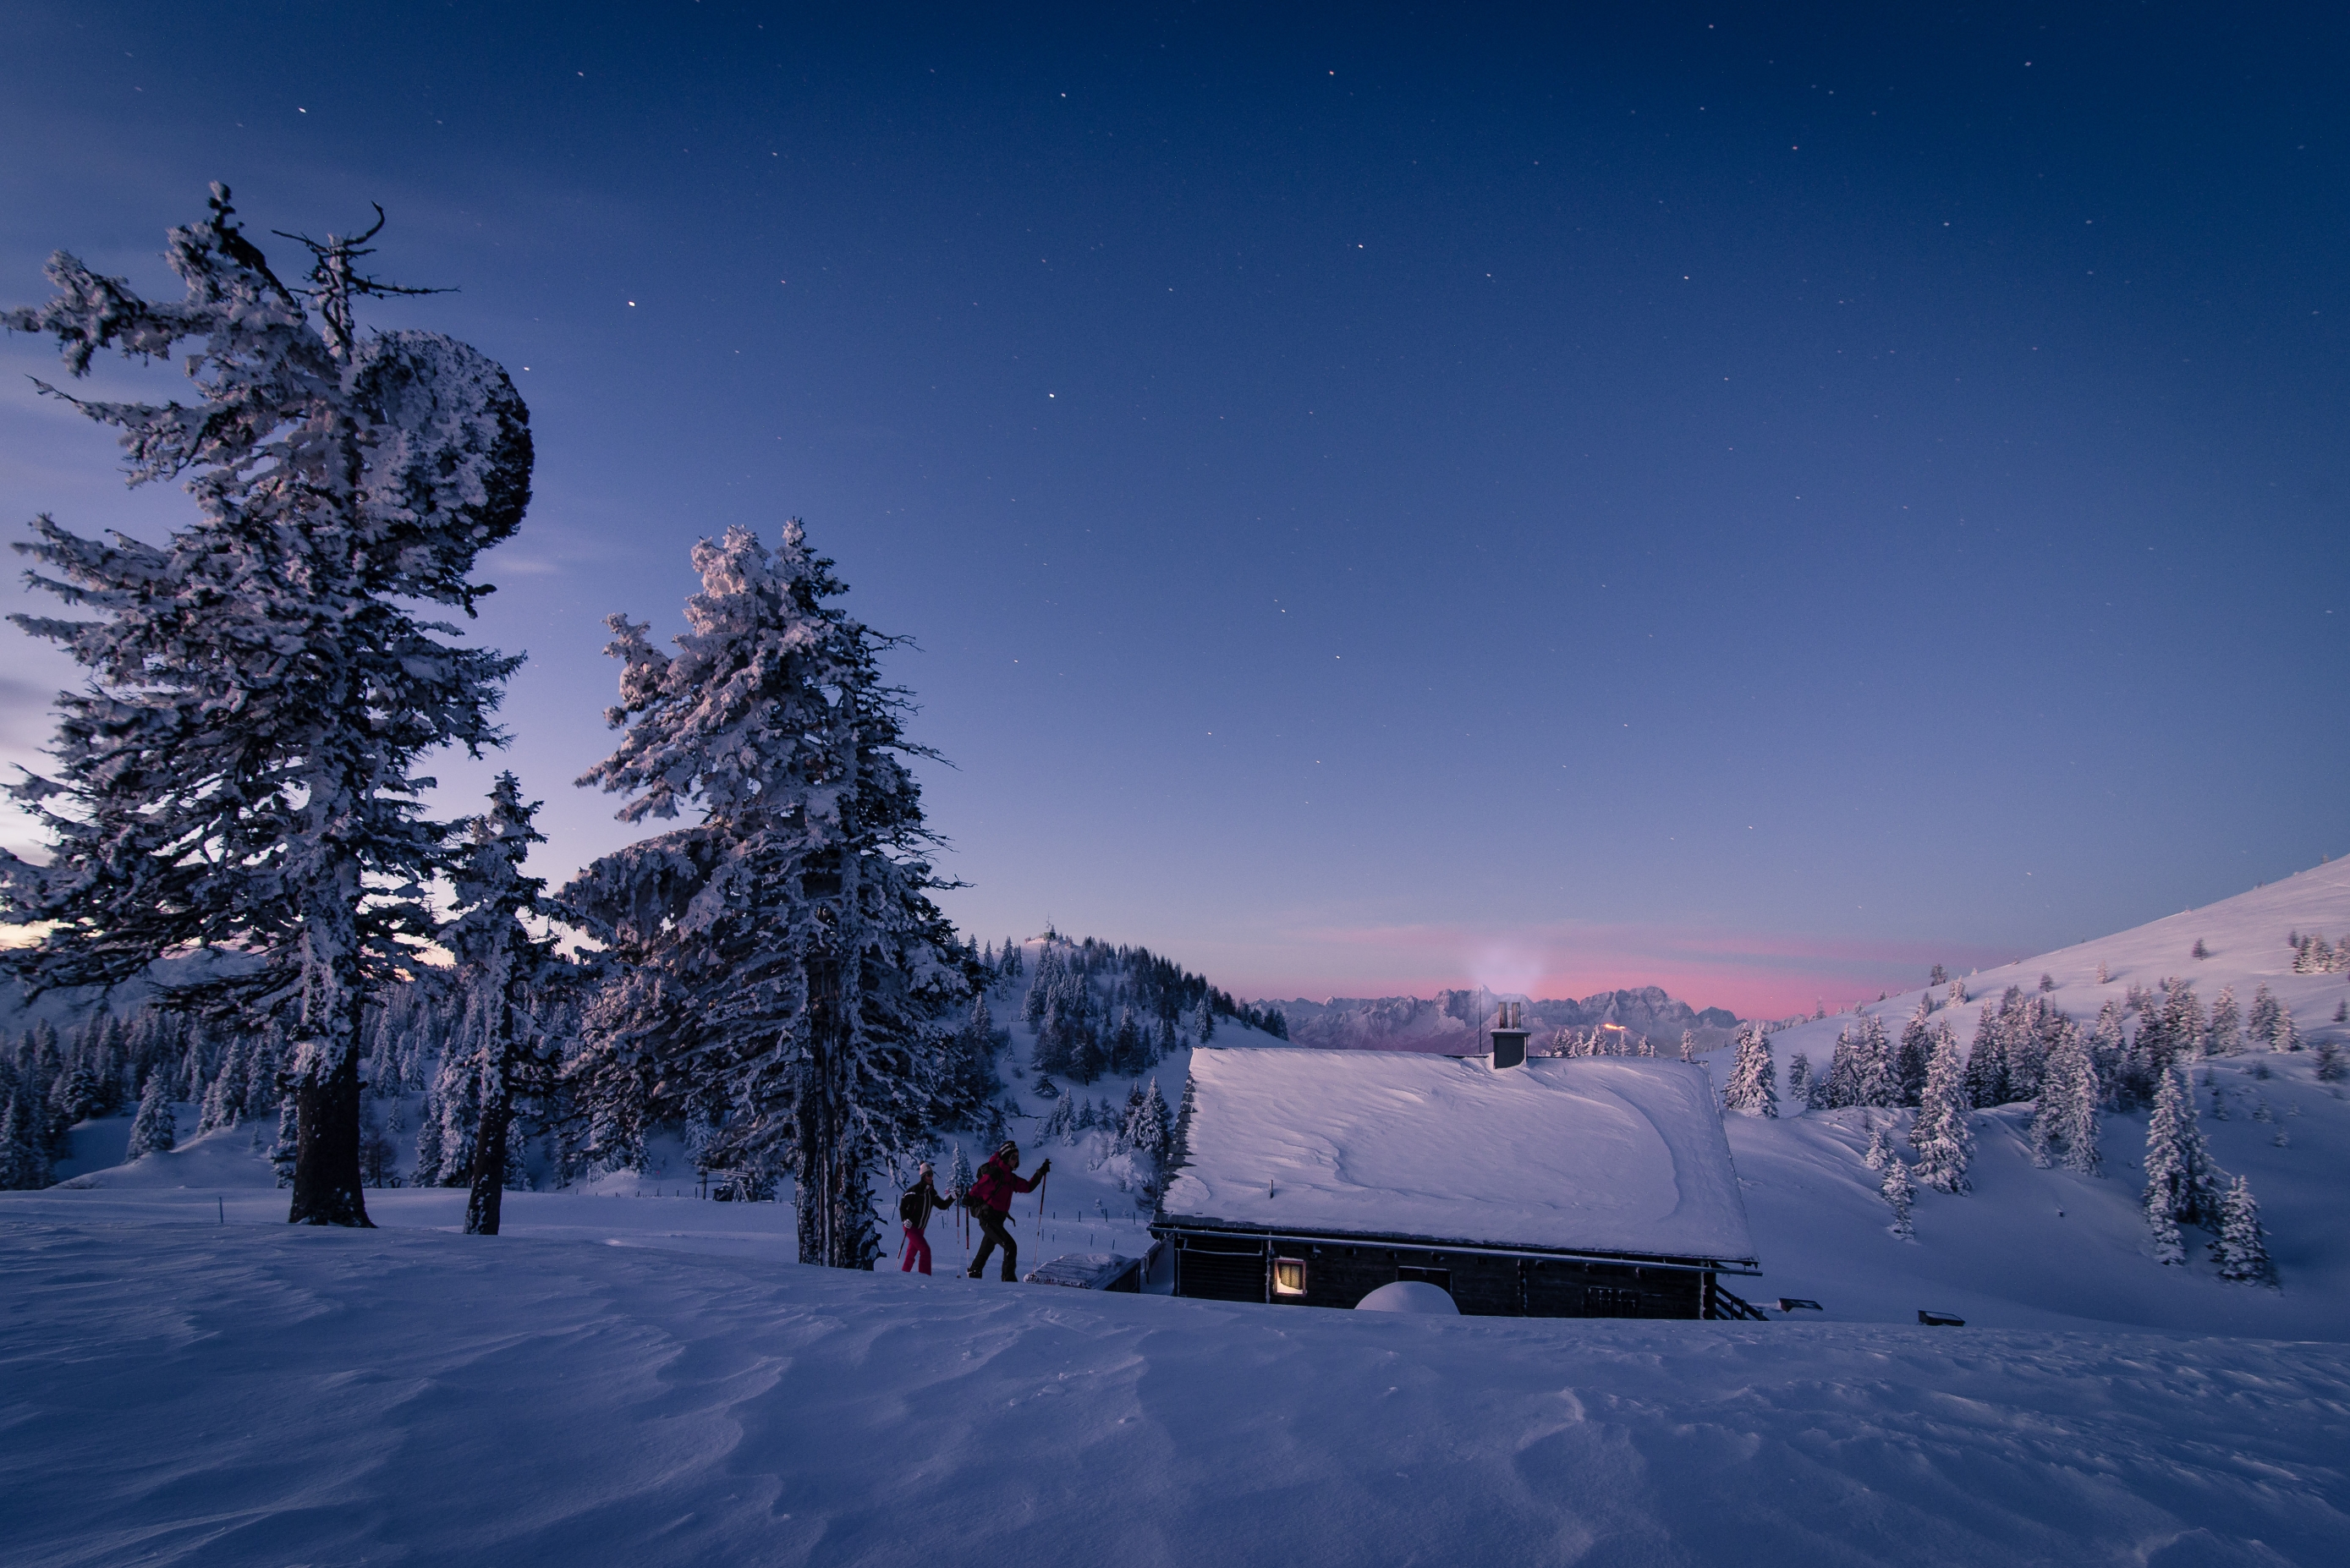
[{"x": 1454, "y": 1021}]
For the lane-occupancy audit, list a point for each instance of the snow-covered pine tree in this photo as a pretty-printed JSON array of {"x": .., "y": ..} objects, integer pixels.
[
  {"x": 1689, "y": 1054},
  {"x": 2282, "y": 1034},
  {"x": 2241, "y": 1252},
  {"x": 2065, "y": 1124},
  {"x": 1087, "y": 1059},
  {"x": 959, "y": 1169},
  {"x": 1152, "y": 1124},
  {"x": 225, "y": 1098},
  {"x": 2329, "y": 1061},
  {"x": 1900, "y": 1193},
  {"x": 2180, "y": 1180},
  {"x": 152, "y": 1129},
  {"x": 2260, "y": 1022},
  {"x": 2182, "y": 1019},
  {"x": 1126, "y": 1047},
  {"x": 2225, "y": 1024},
  {"x": 1840, "y": 1084},
  {"x": 428, "y": 1143},
  {"x": 24, "y": 1154},
  {"x": 1798, "y": 1079},
  {"x": 1910, "y": 1060},
  {"x": 1874, "y": 1080},
  {"x": 783, "y": 956},
  {"x": 1881, "y": 1148},
  {"x": 504, "y": 971},
  {"x": 1942, "y": 1135},
  {"x": 1753, "y": 1089},
  {"x": 1987, "y": 1059},
  {"x": 240, "y": 768}
]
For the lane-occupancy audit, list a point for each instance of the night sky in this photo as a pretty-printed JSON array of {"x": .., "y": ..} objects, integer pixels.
[{"x": 1385, "y": 499}]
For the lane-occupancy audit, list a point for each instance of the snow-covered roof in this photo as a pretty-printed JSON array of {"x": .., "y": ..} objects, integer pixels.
[{"x": 1572, "y": 1154}]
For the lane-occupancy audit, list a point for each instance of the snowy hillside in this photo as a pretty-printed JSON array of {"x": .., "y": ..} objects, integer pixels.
[
  {"x": 2042, "y": 1247},
  {"x": 1452, "y": 1022}
]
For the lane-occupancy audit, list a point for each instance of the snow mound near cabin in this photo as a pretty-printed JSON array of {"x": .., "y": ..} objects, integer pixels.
[
  {"x": 265, "y": 1394},
  {"x": 1412, "y": 1296}
]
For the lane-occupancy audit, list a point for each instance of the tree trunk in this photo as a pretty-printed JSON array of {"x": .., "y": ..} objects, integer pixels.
[
  {"x": 327, "y": 1189},
  {"x": 490, "y": 1162}
]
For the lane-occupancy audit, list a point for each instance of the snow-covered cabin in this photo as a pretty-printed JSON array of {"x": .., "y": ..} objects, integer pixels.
[{"x": 1560, "y": 1186}]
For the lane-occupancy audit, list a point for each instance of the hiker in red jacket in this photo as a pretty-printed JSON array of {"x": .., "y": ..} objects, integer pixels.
[{"x": 990, "y": 1200}]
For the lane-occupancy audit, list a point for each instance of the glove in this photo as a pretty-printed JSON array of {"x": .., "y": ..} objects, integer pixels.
[{"x": 1043, "y": 1167}]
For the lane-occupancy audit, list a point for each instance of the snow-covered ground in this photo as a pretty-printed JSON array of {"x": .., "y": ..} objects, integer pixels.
[
  {"x": 651, "y": 1382},
  {"x": 631, "y": 1376}
]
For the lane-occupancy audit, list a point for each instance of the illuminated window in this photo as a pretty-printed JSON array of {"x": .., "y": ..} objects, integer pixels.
[{"x": 1289, "y": 1276}]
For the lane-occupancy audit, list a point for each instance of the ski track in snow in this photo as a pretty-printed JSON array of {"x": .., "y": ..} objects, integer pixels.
[{"x": 180, "y": 1391}]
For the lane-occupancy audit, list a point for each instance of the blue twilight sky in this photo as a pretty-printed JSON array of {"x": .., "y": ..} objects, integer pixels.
[{"x": 1753, "y": 501}]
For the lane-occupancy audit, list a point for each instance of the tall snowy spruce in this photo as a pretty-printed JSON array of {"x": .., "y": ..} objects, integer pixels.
[
  {"x": 2180, "y": 1180},
  {"x": 239, "y": 768},
  {"x": 1899, "y": 1193},
  {"x": 1753, "y": 1089},
  {"x": 2065, "y": 1124},
  {"x": 1944, "y": 1139},
  {"x": 507, "y": 975},
  {"x": 783, "y": 971},
  {"x": 2241, "y": 1252},
  {"x": 152, "y": 1130}
]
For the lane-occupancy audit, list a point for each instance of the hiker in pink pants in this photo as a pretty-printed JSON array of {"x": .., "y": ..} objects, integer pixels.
[{"x": 919, "y": 1202}]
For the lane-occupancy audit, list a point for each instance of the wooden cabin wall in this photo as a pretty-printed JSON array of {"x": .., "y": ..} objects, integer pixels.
[{"x": 1339, "y": 1275}]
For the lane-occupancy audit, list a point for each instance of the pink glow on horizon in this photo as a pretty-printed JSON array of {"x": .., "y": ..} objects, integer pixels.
[{"x": 1755, "y": 974}]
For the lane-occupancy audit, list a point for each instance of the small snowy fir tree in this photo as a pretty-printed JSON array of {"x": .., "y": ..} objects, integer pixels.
[
  {"x": 2065, "y": 1124},
  {"x": 1689, "y": 1054},
  {"x": 1943, "y": 1135},
  {"x": 1879, "y": 1152},
  {"x": 152, "y": 1130},
  {"x": 1917, "y": 1048},
  {"x": 2225, "y": 1024},
  {"x": 1798, "y": 1079},
  {"x": 2329, "y": 1062},
  {"x": 2241, "y": 1252},
  {"x": 2198, "y": 950},
  {"x": 1753, "y": 1089},
  {"x": 2260, "y": 1022},
  {"x": 2282, "y": 1036},
  {"x": 504, "y": 972},
  {"x": 2180, "y": 1180},
  {"x": 23, "y": 1155},
  {"x": 959, "y": 1168},
  {"x": 781, "y": 959},
  {"x": 240, "y": 768},
  {"x": 1899, "y": 1194}
]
